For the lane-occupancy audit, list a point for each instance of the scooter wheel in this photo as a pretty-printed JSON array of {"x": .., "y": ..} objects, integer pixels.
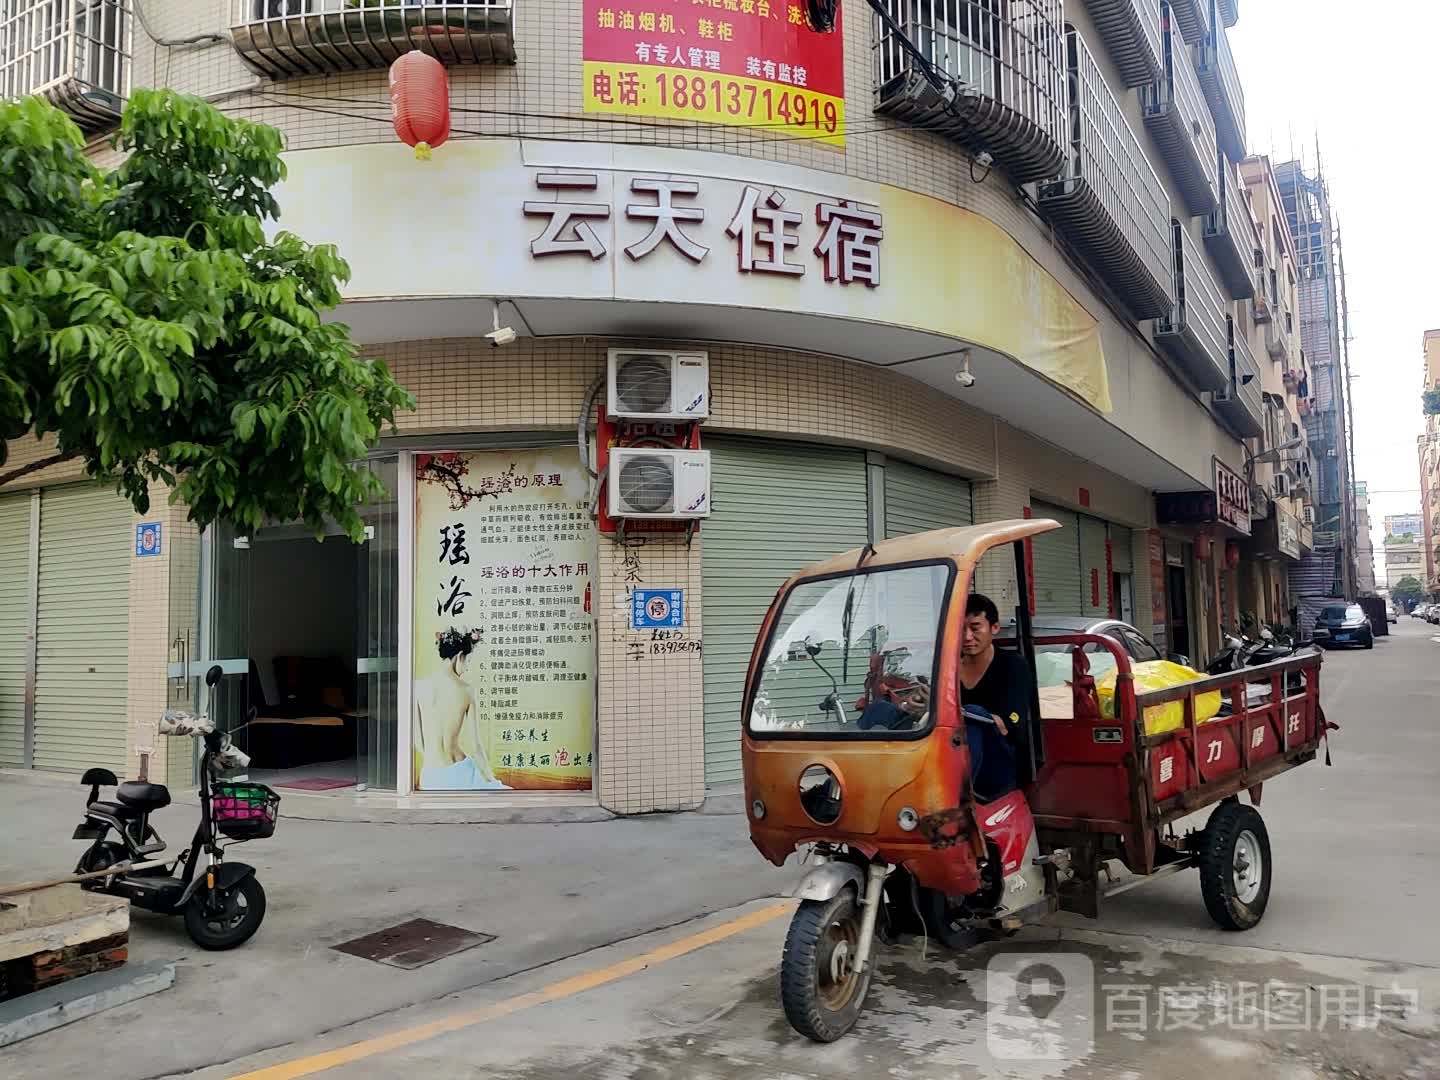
[
  {"x": 1235, "y": 868},
  {"x": 820, "y": 988},
  {"x": 225, "y": 918}
]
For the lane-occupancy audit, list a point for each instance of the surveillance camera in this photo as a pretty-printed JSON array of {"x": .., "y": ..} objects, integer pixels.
[
  {"x": 503, "y": 335},
  {"x": 984, "y": 159},
  {"x": 964, "y": 378}
]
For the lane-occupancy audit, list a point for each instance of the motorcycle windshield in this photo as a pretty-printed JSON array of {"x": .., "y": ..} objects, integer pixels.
[{"x": 854, "y": 655}]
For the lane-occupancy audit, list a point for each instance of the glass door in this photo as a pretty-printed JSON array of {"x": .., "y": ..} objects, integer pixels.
[
  {"x": 378, "y": 629},
  {"x": 183, "y": 675},
  {"x": 227, "y": 588}
]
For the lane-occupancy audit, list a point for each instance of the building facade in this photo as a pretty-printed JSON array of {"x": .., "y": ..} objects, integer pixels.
[
  {"x": 1403, "y": 559},
  {"x": 1331, "y": 568},
  {"x": 1429, "y": 454},
  {"x": 1043, "y": 297},
  {"x": 1401, "y": 525}
]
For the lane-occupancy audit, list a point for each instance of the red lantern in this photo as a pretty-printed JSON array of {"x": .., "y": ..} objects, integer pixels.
[
  {"x": 1232, "y": 555},
  {"x": 1202, "y": 546},
  {"x": 420, "y": 102}
]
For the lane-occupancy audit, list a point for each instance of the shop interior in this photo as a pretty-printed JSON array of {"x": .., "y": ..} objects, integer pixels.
[{"x": 304, "y": 631}]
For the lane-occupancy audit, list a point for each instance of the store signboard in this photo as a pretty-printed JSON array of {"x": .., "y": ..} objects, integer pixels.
[
  {"x": 744, "y": 63},
  {"x": 653, "y": 225},
  {"x": 1228, "y": 504},
  {"x": 1232, "y": 498},
  {"x": 504, "y": 648},
  {"x": 1287, "y": 528}
]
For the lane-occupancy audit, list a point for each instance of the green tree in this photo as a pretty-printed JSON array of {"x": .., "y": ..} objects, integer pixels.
[
  {"x": 1407, "y": 591},
  {"x": 152, "y": 327}
]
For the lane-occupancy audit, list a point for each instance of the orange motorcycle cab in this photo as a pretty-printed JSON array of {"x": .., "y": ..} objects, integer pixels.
[{"x": 855, "y": 745}]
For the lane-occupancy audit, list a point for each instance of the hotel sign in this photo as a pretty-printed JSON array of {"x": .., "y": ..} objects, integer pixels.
[{"x": 1228, "y": 504}]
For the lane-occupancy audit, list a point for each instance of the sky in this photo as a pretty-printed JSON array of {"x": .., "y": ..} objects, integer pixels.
[{"x": 1365, "y": 87}]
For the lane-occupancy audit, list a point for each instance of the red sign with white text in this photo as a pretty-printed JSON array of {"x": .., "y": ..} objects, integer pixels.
[{"x": 746, "y": 63}]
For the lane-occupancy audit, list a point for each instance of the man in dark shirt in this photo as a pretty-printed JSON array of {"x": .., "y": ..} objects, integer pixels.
[{"x": 996, "y": 685}]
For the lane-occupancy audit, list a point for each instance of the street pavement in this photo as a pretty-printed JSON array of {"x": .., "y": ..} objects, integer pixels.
[{"x": 646, "y": 949}]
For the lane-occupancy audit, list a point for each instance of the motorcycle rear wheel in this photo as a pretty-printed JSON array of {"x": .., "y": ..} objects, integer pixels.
[{"x": 225, "y": 918}]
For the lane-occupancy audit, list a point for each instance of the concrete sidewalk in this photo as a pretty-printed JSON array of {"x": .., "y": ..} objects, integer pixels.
[{"x": 546, "y": 891}]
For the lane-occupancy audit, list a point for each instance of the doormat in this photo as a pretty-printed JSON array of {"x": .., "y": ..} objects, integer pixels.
[
  {"x": 413, "y": 944},
  {"x": 316, "y": 783}
]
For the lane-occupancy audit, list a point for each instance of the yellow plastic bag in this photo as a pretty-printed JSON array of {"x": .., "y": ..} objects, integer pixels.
[{"x": 1160, "y": 675}]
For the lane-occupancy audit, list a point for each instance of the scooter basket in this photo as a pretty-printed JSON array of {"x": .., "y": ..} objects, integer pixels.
[{"x": 244, "y": 811}]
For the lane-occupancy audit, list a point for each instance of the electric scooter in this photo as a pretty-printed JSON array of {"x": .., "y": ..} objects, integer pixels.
[{"x": 222, "y": 902}]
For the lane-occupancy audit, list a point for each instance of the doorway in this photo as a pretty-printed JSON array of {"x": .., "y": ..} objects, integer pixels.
[
  {"x": 306, "y": 633},
  {"x": 1177, "y": 609},
  {"x": 301, "y": 650}
]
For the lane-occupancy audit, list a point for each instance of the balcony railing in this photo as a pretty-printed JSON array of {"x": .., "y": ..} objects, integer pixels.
[
  {"x": 1131, "y": 29},
  {"x": 1109, "y": 200},
  {"x": 1007, "y": 64},
  {"x": 1178, "y": 119},
  {"x": 1221, "y": 80},
  {"x": 1193, "y": 334},
  {"x": 1241, "y": 404},
  {"x": 1230, "y": 235},
  {"x": 1229, "y": 11},
  {"x": 310, "y": 37},
  {"x": 73, "y": 53}
]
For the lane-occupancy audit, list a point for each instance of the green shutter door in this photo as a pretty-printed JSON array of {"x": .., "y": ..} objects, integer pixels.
[
  {"x": 777, "y": 507},
  {"x": 1057, "y": 563},
  {"x": 1094, "y": 576},
  {"x": 918, "y": 500},
  {"x": 86, "y": 544},
  {"x": 14, "y": 587}
]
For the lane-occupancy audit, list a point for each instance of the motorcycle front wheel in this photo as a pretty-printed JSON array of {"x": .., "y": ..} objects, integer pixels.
[
  {"x": 821, "y": 987},
  {"x": 219, "y": 919}
]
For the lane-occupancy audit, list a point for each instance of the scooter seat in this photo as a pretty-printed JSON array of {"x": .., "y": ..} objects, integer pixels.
[
  {"x": 142, "y": 796},
  {"x": 114, "y": 809}
]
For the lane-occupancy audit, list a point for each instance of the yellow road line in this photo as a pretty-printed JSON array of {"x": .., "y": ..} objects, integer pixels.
[{"x": 576, "y": 984}]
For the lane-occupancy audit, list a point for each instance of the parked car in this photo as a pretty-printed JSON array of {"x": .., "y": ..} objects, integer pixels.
[
  {"x": 1391, "y": 615},
  {"x": 1136, "y": 645},
  {"x": 1344, "y": 624},
  {"x": 1419, "y": 610}
]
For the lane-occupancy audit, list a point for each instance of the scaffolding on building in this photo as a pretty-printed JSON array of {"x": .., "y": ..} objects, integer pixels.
[{"x": 1330, "y": 567}]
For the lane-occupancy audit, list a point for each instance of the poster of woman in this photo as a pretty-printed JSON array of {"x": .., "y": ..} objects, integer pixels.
[{"x": 504, "y": 650}]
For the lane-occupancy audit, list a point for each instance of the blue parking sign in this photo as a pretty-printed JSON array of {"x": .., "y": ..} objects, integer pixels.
[
  {"x": 657, "y": 609},
  {"x": 147, "y": 539}
]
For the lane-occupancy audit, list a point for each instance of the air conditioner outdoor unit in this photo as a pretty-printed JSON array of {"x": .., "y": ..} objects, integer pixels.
[
  {"x": 671, "y": 386},
  {"x": 659, "y": 484}
]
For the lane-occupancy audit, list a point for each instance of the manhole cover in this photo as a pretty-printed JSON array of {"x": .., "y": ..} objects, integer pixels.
[{"x": 413, "y": 944}]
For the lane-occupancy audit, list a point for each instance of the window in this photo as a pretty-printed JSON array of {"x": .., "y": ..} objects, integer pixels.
[
  {"x": 1140, "y": 650},
  {"x": 849, "y": 653}
]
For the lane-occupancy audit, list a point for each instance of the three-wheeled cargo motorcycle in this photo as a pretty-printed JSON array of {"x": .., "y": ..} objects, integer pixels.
[{"x": 899, "y": 836}]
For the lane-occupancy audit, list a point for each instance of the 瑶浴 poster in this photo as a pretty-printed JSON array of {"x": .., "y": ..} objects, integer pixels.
[{"x": 504, "y": 651}]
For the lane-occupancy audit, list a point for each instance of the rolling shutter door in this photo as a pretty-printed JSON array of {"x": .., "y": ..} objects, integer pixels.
[
  {"x": 86, "y": 544},
  {"x": 1094, "y": 576},
  {"x": 14, "y": 587},
  {"x": 917, "y": 500},
  {"x": 1057, "y": 563},
  {"x": 777, "y": 507}
]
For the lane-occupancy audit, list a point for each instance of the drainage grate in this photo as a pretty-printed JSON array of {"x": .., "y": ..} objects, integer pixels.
[{"x": 413, "y": 944}]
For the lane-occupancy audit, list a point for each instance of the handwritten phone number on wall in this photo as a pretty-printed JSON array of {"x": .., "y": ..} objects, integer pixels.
[{"x": 734, "y": 100}]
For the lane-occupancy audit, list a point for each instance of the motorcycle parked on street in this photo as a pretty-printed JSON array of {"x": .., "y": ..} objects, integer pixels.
[
  {"x": 1240, "y": 652},
  {"x": 221, "y": 902}
]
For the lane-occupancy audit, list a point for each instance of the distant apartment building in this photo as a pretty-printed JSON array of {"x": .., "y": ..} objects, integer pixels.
[
  {"x": 1411, "y": 524},
  {"x": 1430, "y": 468},
  {"x": 1403, "y": 558}
]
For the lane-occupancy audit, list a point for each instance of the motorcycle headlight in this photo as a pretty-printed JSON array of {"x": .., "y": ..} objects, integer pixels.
[{"x": 820, "y": 794}]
